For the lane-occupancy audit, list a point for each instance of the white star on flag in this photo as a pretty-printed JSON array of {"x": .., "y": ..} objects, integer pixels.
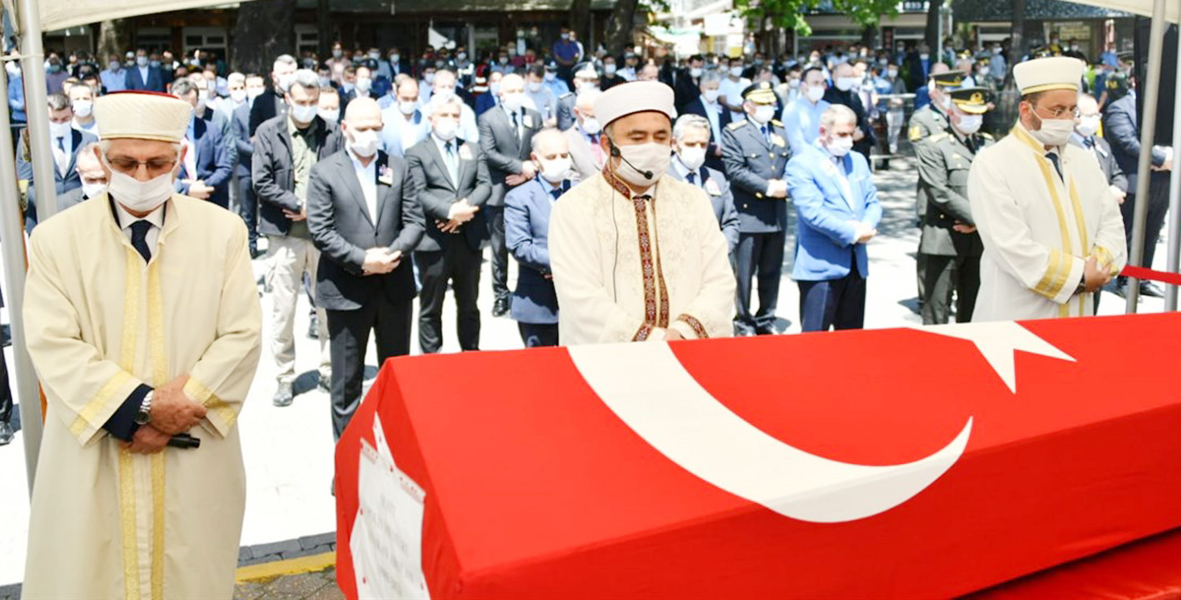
[{"x": 998, "y": 341}]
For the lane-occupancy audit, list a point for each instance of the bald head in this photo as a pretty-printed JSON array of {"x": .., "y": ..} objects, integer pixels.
[
  {"x": 511, "y": 84},
  {"x": 649, "y": 73},
  {"x": 1087, "y": 105},
  {"x": 549, "y": 144},
  {"x": 362, "y": 109},
  {"x": 939, "y": 68}
]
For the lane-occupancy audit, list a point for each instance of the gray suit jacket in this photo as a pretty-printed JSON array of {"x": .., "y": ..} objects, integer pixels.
[
  {"x": 581, "y": 154},
  {"x": 1111, "y": 169},
  {"x": 343, "y": 229},
  {"x": 722, "y": 201},
  {"x": 435, "y": 192},
  {"x": 504, "y": 150}
]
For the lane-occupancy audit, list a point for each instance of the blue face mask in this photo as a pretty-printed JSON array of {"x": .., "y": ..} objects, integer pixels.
[
  {"x": 55, "y": 68},
  {"x": 155, "y": 64}
]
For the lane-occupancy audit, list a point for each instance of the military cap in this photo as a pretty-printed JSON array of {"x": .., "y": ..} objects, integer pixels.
[
  {"x": 760, "y": 93},
  {"x": 949, "y": 79},
  {"x": 586, "y": 70},
  {"x": 972, "y": 100},
  {"x": 551, "y": 65}
]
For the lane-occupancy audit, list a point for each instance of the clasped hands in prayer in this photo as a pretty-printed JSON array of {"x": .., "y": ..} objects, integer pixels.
[{"x": 461, "y": 212}]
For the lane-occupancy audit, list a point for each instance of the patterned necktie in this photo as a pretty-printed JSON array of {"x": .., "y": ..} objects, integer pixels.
[
  {"x": 1089, "y": 142},
  {"x": 139, "y": 239}
]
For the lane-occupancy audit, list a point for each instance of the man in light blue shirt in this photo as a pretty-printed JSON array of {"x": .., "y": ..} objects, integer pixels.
[
  {"x": 404, "y": 125},
  {"x": 801, "y": 118},
  {"x": 16, "y": 96},
  {"x": 114, "y": 78}
]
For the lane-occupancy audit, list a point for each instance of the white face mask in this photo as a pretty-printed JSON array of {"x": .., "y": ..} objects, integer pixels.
[
  {"x": 303, "y": 114},
  {"x": 652, "y": 157},
  {"x": 1054, "y": 132},
  {"x": 984, "y": 71},
  {"x": 970, "y": 124},
  {"x": 93, "y": 190},
  {"x": 57, "y": 130},
  {"x": 142, "y": 61},
  {"x": 692, "y": 157},
  {"x": 446, "y": 129},
  {"x": 840, "y": 146},
  {"x": 140, "y": 196},
  {"x": 846, "y": 83},
  {"x": 444, "y": 93},
  {"x": 513, "y": 101},
  {"x": 83, "y": 108},
  {"x": 891, "y": 73},
  {"x": 557, "y": 170},
  {"x": 711, "y": 96},
  {"x": 330, "y": 116},
  {"x": 945, "y": 102},
  {"x": 238, "y": 96},
  {"x": 793, "y": 83},
  {"x": 815, "y": 93},
  {"x": 407, "y": 108},
  {"x": 535, "y": 86},
  {"x": 1087, "y": 126},
  {"x": 363, "y": 143},
  {"x": 550, "y": 76},
  {"x": 736, "y": 71},
  {"x": 591, "y": 126},
  {"x": 364, "y": 84},
  {"x": 429, "y": 78},
  {"x": 285, "y": 82},
  {"x": 695, "y": 72},
  {"x": 252, "y": 93},
  {"x": 609, "y": 69},
  {"x": 764, "y": 113}
]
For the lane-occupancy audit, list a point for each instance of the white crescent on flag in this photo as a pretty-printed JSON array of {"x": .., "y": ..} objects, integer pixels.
[{"x": 649, "y": 390}]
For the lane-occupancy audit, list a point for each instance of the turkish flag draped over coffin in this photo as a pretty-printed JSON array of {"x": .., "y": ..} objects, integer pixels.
[{"x": 889, "y": 463}]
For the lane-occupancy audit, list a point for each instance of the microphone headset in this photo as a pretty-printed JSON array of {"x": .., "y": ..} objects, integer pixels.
[{"x": 617, "y": 154}]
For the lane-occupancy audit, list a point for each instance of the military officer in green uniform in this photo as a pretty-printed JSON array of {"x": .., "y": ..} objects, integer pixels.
[
  {"x": 949, "y": 241},
  {"x": 928, "y": 120}
]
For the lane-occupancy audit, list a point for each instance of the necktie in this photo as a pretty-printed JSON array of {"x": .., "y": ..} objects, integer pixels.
[
  {"x": 61, "y": 155},
  {"x": 452, "y": 167},
  {"x": 766, "y": 135},
  {"x": 139, "y": 238},
  {"x": 556, "y": 192},
  {"x": 1089, "y": 143},
  {"x": 692, "y": 177},
  {"x": 1053, "y": 157},
  {"x": 516, "y": 125}
]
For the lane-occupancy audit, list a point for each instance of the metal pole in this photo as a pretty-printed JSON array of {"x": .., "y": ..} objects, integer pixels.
[
  {"x": 36, "y": 106},
  {"x": 13, "y": 249},
  {"x": 1174, "y": 264},
  {"x": 1151, "y": 91}
]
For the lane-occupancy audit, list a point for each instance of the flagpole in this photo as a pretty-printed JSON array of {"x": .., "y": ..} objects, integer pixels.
[
  {"x": 37, "y": 106},
  {"x": 1174, "y": 264}
]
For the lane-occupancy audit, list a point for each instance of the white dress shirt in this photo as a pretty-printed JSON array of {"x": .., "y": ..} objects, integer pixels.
[
  {"x": 367, "y": 177},
  {"x": 156, "y": 218}
]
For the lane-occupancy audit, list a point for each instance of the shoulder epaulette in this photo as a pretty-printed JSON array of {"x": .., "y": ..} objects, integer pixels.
[
  {"x": 776, "y": 123},
  {"x": 736, "y": 124},
  {"x": 566, "y": 95},
  {"x": 987, "y": 136},
  {"x": 937, "y": 137}
]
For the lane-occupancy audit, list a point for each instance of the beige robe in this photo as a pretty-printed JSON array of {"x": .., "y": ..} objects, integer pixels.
[
  {"x": 1039, "y": 229},
  {"x": 106, "y": 523},
  {"x": 623, "y": 275}
]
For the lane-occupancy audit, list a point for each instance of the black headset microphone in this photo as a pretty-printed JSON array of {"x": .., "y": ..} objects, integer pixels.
[{"x": 617, "y": 154}]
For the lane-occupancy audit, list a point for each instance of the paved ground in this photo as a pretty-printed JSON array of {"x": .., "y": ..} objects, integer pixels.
[{"x": 288, "y": 451}]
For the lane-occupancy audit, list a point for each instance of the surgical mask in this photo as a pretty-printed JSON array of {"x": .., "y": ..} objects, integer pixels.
[
  {"x": 330, "y": 116},
  {"x": 155, "y": 64},
  {"x": 815, "y": 93},
  {"x": 407, "y": 108},
  {"x": 924, "y": 56},
  {"x": 337, "y": 53},
  {"x": 711, "y": 96},
  {"x": 114, "y": 65},
  {"x": 764, "y": 113},
  {"x": 550, "y": 76},
  {"x": 238, "y": 96},
  {"x": 83, "y": 108},
  {"x": 348, "y": 87},
  {"x": 556, "y": 170},
  {"x": 285, "y": 82},
  {"x": 1087, "y": 126},
  {"x": 793, "y": 83},
  {"x": 970, "y": 124},
  {"x": 984, "y": 71},
  {"x": 444, "y": 93},
  {"x": 303, "y": 114},
  {"x": 394, "y": 58},
  {"x": 139, "y": 196},
  {"x": 461, "y": 56},
  {"x": 142, "y": 61},
  {"x": 846, "y": 83},
  {"x": 375, "y": 55},
  {"x": 57, "y": 130},
  {"x": 1054, "y": 132},
  {"x": 609, "y": 69},
  {"x": 534, "y": 86},
  {"x": 253, "y": 93},
  {"x": 652, "y": 157},
  {"x": 93, "y": 190},
  {"x": 692, "y": 157},
  {"x": 447, "y": 129},
  {"x": 364, "y": 84},
  {"x": 513, "y": 101},
  {"x": 841, "y": 146},
  {"x": 591, "y": 126},
  {"x": 891, "y": 73},
  {"x": 504, "y": 60},
  {"x": 695, "y": 72},
  {"x": 565, "y": 36},
  {"x": 736, "y": 71},
  {"x": 945, "y": 102},
  {"x": 202, "y": 100},
  {"x": 364, "y": 143},
  {"x": 429, "y": 78}
]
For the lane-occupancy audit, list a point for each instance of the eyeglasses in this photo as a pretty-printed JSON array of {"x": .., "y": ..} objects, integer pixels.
[
  {"x": 1060, "y": 113},
  {"x": 130, "y": 166}
]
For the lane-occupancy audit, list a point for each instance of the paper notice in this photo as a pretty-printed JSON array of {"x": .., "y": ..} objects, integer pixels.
[{"x": 387, "y": 534}]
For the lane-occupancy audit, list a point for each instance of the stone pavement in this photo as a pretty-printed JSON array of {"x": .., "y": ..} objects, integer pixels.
[
  {"x": 307, "y": 586},
  {"x": 289, "y": 451}
]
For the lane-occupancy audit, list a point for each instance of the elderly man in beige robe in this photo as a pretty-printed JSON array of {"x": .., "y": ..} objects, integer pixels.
[
  {"x": 637, "y": 255},
  {"x": 144, "y": 327}
]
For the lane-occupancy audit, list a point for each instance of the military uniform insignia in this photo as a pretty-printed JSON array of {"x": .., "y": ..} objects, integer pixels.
[
  {"x": 778, "y": 140},
  {"x": 916, "y": 133},
  {"x": 736, "y": 124}
]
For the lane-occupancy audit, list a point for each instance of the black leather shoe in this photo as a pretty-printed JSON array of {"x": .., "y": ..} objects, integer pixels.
[
  {"x": 284, "y": 395},
  {"x": 1150, "y": 289},
  {"x": 500, "y": 308},
  {"x": 766, "y": 331},
  {"x": 6, "y": 433}
]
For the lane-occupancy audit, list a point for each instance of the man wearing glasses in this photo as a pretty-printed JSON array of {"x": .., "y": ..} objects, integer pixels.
[{"x": 1052, "y": 230}]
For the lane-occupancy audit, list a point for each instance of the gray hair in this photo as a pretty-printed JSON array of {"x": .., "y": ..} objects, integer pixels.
[
  {"x": 58, "y": 102},
  {"x": 236, "y": 77},
  {"x": 711, "y": 77},
  {"x": 306, "y": 79},
  {"x": 837, "y": 114},
  {"x": 690, "y": 121},
  {"x": 452, "y": 99},
  {"x": 284, "y": 60},
  {"x": 183, "y": 87}
]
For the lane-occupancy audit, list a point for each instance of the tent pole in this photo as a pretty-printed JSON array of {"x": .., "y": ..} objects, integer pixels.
[
  {"x": 13, "y": 249},
  {"x": 36, "y": 105},
  {"x": 1174, "y": 265},
  {"x": 1151, "y": 91}
]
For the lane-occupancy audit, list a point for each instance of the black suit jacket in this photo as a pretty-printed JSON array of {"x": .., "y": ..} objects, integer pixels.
[
  {"x": 266, "y": 107},
  {"x": 435, "y": 192},
  {"x": 134, "y": 81},
  {"x": 686, "y": 91},
  {"x": 1123, "y": 132},
  {"x": 853, "y": 101},
  {"x": 241, "y": 125},
  {"x": 273, "y": 171},
  {"x": 712, "y": 160},
  {"x": 343, "y": 229},
  {"x": 503, "y": 150}
]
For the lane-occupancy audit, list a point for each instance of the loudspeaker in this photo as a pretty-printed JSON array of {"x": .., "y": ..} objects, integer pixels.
[{"x": 1166, "y": 106}]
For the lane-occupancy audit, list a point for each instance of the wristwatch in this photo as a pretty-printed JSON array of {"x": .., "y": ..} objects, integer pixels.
[
  {"x": 144, "y": 415},
  {"x": 1082, "y": 286}
]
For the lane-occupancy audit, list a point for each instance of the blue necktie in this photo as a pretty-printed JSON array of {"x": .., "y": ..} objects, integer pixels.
[
  {"x": 1053, "y": 156},
  {"x": 766, "y": 135},
  {"x": 692, "y": 177},
  {"x": 139, "y": 239}
]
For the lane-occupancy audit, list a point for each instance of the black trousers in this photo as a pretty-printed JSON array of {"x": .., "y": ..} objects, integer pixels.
[
  {"x": 5, "y": 391},
  {"x": 1158, "y": 207},
  {"x": 460, "y": 265},
  {"x": 536, "y": 335},
  {"x": 349, "y": 333},
  {"x": 835, "y": 304},
  {"x": 947, "y": 274},
  {"x": 248, "y": 209},
  {"x": 495, "y": 217},
  {"x": 761, "y": 255}
]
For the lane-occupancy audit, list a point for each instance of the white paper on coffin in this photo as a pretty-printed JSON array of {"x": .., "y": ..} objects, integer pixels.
[{"x": 386, "y": 542}]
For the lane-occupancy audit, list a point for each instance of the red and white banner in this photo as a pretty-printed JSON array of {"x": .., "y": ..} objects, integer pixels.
[{"x": 890, "y": 463}]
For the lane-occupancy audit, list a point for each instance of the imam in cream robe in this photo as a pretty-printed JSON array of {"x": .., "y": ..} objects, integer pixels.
[
  {"x": 1039, "y": 229},
  {"x": 627, "y": 270},
  {"x": 106, "y": 523}
]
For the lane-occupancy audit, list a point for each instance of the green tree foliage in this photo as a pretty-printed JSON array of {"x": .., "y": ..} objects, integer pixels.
[{"x": 791, "y": 14}]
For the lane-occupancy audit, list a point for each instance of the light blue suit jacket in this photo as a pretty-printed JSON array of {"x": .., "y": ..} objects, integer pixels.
[
  {"x": 826, "y": 243},
  {"x": 526, "y": 233}
]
